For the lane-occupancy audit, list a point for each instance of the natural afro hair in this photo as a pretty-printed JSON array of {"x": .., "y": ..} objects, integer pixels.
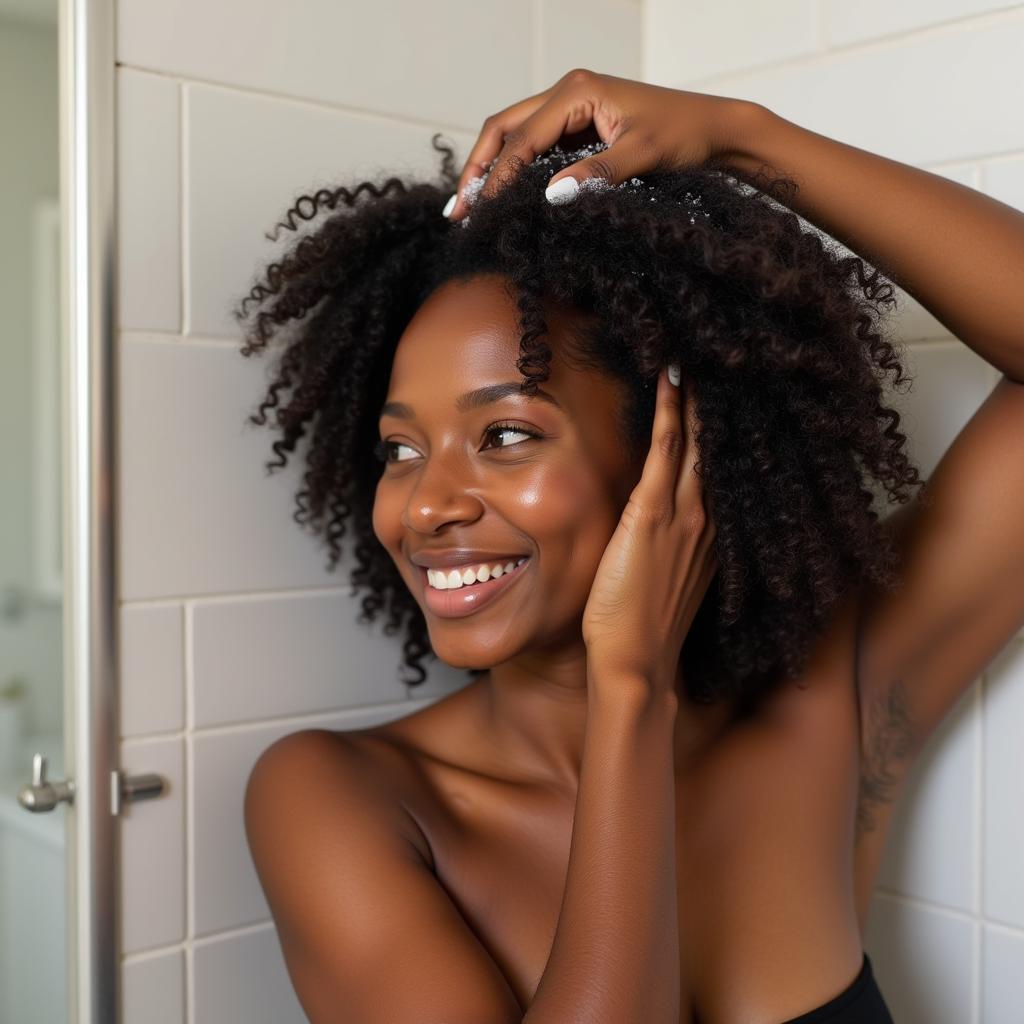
[{"x": 778, "y": 328}]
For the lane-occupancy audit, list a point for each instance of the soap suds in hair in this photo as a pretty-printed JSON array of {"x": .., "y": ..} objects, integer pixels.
[{"x": 562, "y": 158}]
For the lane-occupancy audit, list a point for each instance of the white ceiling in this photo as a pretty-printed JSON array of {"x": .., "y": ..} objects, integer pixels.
[{"x": 31, "y": 12}]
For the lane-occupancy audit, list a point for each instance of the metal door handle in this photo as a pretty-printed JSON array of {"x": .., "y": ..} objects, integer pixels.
[{"x": 44, "y": 794}]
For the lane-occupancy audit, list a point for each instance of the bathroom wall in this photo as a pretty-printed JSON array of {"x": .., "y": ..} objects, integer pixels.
[
  {"x": 233, "y": 632},
  {"x": 936, "y": 85}
]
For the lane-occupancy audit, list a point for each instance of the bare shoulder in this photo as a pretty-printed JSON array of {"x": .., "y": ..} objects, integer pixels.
[
  {"x": 352, "y": 894},
  {"x": 363, "y": 770}
]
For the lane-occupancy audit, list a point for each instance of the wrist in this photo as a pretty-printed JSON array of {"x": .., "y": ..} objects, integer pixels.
[
  {"x": 748, "y": 130},
  {"x": 626, "y": 691}
]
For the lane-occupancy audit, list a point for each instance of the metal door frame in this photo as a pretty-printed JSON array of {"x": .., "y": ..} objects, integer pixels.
[{"x": 86, "y": 46}]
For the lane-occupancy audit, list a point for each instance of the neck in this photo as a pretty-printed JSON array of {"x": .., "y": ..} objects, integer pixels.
[{"x": 533, "y": 711}]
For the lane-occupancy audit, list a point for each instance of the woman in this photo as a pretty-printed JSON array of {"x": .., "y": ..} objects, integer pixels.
[{"x": 699, "y": 677}]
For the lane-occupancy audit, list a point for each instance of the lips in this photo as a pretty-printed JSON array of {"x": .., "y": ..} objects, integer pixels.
[
  {"x": 466, "y": 600},
  {"x": 455, "y": 558}
]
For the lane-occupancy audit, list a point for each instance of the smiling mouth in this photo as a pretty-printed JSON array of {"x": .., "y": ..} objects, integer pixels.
[
  {"x": 474, "y": 574},
  {"x": 459, "y": 601}
]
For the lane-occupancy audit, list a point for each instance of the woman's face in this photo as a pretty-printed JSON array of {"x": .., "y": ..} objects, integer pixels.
[{"x": 467, "y": 475}]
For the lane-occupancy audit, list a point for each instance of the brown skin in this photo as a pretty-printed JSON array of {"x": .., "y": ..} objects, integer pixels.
[
  {"x": 558, "y": 499},
  {"x": 512, "y": 847}
]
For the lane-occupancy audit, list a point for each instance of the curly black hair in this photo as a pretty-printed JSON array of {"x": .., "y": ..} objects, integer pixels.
[{"x": 778, "y": 327}]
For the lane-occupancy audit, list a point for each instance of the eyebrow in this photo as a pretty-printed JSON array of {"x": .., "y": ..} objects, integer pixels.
[{"x": 474, "y": 399}]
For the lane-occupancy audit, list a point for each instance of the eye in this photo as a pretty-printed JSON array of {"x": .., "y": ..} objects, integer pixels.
[
  {"x": 382, "y": 450},
  {"x": 509, "y": 428}
]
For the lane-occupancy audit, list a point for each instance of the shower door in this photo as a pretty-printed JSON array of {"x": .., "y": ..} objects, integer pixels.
[{"x": 59, "y": 789}]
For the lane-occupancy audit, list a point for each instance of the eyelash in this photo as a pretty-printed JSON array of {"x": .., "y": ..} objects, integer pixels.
[{"x": 382, "y": 449}]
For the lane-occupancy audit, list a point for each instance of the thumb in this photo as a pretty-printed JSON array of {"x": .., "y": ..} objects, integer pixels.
[
  {"x": 593, "y": 173},
  {"x": 604, "y": 170}
]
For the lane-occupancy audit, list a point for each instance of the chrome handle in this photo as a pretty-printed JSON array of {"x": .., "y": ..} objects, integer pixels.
[
  {"x": 42, "y": 794},
  {"x": 134, "y": 787}
]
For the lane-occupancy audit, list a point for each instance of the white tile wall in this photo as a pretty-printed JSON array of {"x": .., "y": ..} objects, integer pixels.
[
  {"x": 602, "y": 35},
  {"x": 949, "y": 382},
  {"x": 1003, "y": 769},
  {"x": 152, "y": 669},
  {"x": 1004, "y": 180},
  {"x": 199, "y": 514},
  {"x": 263, "y": 657},
  {"x": 153, "y": 989},
  {"x": 242, "y": 977},
  {"x": 940, "y": 797},
  {"x": 226, "y": 113},
  {"x": 845, "y": 24},
  {"x": 148, "y": 202},
  {"x": 932, "y": 83},
  {"x": 434, "y": 63},
  {"x": 1002, "y": 979},
  {"x": 922, "y": 957},
  {"x": 688, "y": 41},
  {"x": 301, "y": 147},
  {"x": 152, "y": 849},
  {"x": 869, "y": 96}
]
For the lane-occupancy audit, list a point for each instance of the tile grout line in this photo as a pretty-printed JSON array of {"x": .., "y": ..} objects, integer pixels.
[
  {"x": 869, "y": 46},
  {"x": 919, "y": 901},
  {"x": 369, "y": 114},
  {"x": 298, "y": 720},
  {"x": 183, "y": 208}
]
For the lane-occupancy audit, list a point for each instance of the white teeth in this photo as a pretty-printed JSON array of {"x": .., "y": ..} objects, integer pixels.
[{"x": 455, "y": 578}]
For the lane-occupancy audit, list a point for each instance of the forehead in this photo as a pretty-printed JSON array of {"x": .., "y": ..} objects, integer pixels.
[{"x": 465, "y": 333}]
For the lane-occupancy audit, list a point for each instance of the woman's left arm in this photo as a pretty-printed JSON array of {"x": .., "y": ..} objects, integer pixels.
[
  {"x": 959, "y": 252},
  {"x": 961, "y": 255}
]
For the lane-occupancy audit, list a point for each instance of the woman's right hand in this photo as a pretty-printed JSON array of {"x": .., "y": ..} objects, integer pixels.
[{"x": 659, "y": 562}]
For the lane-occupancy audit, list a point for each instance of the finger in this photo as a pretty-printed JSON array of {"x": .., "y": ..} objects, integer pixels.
[
  {"x": 690, "y": 488},
  {"x": 634, "y": 152},
  {"x": 564, "y": 112},
  {"x": 656, "y": 490},
  {"x": 489, "y": 144}
]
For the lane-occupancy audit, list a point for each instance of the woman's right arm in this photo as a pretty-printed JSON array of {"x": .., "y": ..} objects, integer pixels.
[{"x": 615, "y": 955}]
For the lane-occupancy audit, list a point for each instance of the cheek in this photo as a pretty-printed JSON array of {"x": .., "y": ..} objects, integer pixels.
[{"x": 571, "y": 513}]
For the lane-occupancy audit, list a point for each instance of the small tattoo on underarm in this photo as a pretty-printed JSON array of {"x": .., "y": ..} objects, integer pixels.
[{"x": 886, "y": 747}]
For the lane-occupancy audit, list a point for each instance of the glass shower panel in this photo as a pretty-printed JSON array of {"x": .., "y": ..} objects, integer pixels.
[{"x": 32, "y": 846}]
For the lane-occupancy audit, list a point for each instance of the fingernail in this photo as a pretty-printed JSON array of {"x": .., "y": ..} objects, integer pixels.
[
  {"x": 450, "y": 205},
  {"x": 673, "y": 374},
  {"x": 563, "y": 191}
]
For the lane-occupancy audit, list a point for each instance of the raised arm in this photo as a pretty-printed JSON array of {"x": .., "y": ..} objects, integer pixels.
[{"x": 961, "y": 255}]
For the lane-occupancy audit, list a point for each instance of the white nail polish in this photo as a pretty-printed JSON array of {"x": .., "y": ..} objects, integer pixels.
[
  {"x": 450, "y": 205},
  {"x": 673, "y": 374},
  {"x": 563, "y": 191}
]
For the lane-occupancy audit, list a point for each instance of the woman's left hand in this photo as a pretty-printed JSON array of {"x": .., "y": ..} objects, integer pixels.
[{"x": 646, "y": 127}]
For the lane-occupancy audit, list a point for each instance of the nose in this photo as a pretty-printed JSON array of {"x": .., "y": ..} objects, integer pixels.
[{"x": 438, "y": 497}]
